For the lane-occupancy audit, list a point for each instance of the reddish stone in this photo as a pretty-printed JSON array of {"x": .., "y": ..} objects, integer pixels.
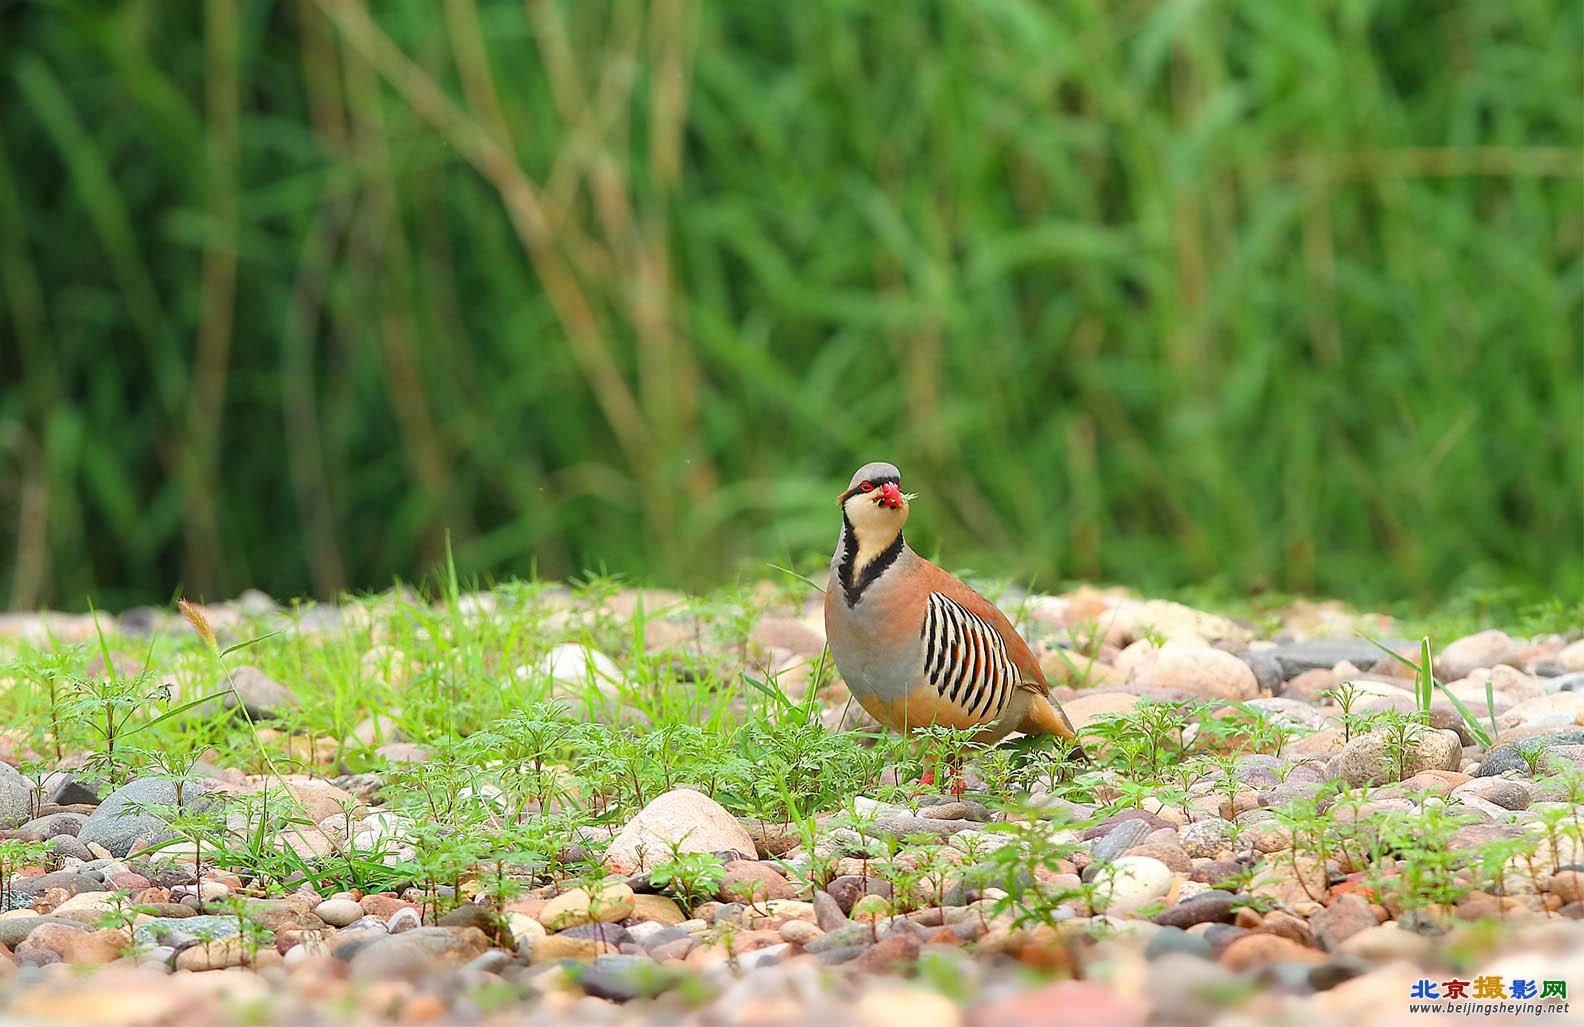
[
  {"x": 895, "y": 954},
  {"x": 751, "y": 881},
  {"x": 1064, "y": 1004},
  {"x": 384, "y": 906},
  {"x": 1105, "y": 826}
]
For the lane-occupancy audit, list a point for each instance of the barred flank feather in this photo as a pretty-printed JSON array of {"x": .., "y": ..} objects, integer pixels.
[{"x": 966, "y": 660}]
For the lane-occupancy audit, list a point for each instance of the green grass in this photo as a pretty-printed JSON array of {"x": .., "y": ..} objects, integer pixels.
[
  {"x": 1272, "y": 295},
  {"x": 523, "y": 787}
]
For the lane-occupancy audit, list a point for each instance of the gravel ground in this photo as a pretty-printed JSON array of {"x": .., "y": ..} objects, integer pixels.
[{"x": 1304, "y": 852}]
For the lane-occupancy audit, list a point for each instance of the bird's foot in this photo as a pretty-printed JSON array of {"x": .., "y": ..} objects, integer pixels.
[{"x": 954, "y": 781}]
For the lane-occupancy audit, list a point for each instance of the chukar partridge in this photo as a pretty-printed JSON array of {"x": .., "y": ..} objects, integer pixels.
[{"x": 915, "y": 645}]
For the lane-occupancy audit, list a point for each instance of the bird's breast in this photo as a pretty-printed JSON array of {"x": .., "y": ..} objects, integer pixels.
[{"x": 876, "y": 656}]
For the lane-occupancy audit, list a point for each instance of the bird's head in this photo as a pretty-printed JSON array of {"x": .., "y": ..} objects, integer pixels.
[{"x": 874, "y": 502}]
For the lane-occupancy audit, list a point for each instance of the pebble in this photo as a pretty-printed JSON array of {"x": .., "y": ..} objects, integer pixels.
[
  {"x": 16, "y": 797},
  {"x": 609, "y": 903},
  {"x": 1255, "y": 950},
  {"x": 681, "y": 819},
  {"x": 828, "y": 914},
  {"x": 417, "y": 953},
  {"x": 1323, "y": 654},
  {"x": 658, "y": 908},
  {"x": 1507, "y": 758},
  {"x": 1131, "y": 882},
  {"x": 754, "y": 882},
  {"x": 115, "y": 827},
  {"x": 1205, "y": 838},
  {"x": 849, "y": 888},
  {"x": 1375, "y": 758},
  {"x": 183, "y": 931},
  {"x": 339, "y": 912},
  {"x": 1204, "y": 955},
  {"x": 1386, "y": 942},
  {"x": 1174, "y": 940},
  {"x": 618, "y": 978},
  {"x": 1484, "y": 649},
  {"x": 1200, "y": 671},
  {"x": 1123, "y": 836},
  {"x": 1205, "y": 908},
  {"x": 799, "y": 932}
]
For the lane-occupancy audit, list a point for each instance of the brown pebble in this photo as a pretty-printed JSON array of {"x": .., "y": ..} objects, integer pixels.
[
  {"x": 677, "y": 949},
  {"x": 1256, "y": 950},
  {"x": 890, "y": 955},
  {"x": 421, "y": 1009}
]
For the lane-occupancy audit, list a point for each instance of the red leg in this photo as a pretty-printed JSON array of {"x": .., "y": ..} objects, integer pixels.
[{"x": 958, "y": 786}]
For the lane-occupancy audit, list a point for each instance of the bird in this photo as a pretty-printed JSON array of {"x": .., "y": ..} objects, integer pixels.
[{"x": 915, "y": 644}]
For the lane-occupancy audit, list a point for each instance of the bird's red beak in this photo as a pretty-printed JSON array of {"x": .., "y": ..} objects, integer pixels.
[{"x": 890, "y": 495}]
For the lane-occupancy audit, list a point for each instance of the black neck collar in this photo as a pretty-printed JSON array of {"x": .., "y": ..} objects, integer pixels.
[{"x": 853, "y": 590}]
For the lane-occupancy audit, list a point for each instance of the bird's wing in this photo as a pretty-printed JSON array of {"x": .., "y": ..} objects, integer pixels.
[
  {"x": 1017, "y": 650},
  {"x": 966, "y": 661}
]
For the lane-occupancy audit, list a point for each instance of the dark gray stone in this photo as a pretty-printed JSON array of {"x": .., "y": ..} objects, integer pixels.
[
  {"x": 730, "y": 912},
  {"x": 1325, "y": 653},
  {"x": 1573, "y": 682},
  {"x": 973, "y": 809},
  {"x": 74, "y": 881},
  {"x": 1220, "y": 936},
  {"x": 66, "y": 788},
  {"x": 115, "y": 826},
  {"x": 624, "y": 978},
  {"x": 471, "y": 914},
  {"x": 491, "y": 962},
  {"x": 139, "y": 621},
  {"x": 841, "y": 954},
  {"x": 611, "y": 934},
  {"x": 1125, "y": 835},
  {"x": 1507, "y": 757},
  {"x": 1336, "y": 970},
  {"x": 68, "y": 847},
  {"x": 1168, "y": 940},
  {"x": 1267, "y": 669},
  {"x": 261, "y": 696},
  {"x": 1211, "y": 907}
]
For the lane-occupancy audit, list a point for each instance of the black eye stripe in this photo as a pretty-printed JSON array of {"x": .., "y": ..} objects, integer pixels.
[{"x": 875, "y": 482}]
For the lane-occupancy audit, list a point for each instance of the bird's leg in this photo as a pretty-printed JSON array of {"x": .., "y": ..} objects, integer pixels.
[
  {"x": 955, "y": 782},
  {"x": 953, "y": 775}
]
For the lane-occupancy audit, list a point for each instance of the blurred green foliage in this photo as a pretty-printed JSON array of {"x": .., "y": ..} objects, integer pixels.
[{"x": 1265, "y": 294}]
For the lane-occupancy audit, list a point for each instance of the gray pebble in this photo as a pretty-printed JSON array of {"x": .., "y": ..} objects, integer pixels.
[
  {"x": 1169, "y": 940},
  {"x": 1125, "y": 835}
]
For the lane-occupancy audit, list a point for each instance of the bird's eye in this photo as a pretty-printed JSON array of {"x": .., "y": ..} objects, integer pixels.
[{"x": 867, "y": 486}]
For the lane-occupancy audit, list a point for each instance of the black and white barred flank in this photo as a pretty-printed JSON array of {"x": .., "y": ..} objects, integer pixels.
[{"x": 965, "y": 660}]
